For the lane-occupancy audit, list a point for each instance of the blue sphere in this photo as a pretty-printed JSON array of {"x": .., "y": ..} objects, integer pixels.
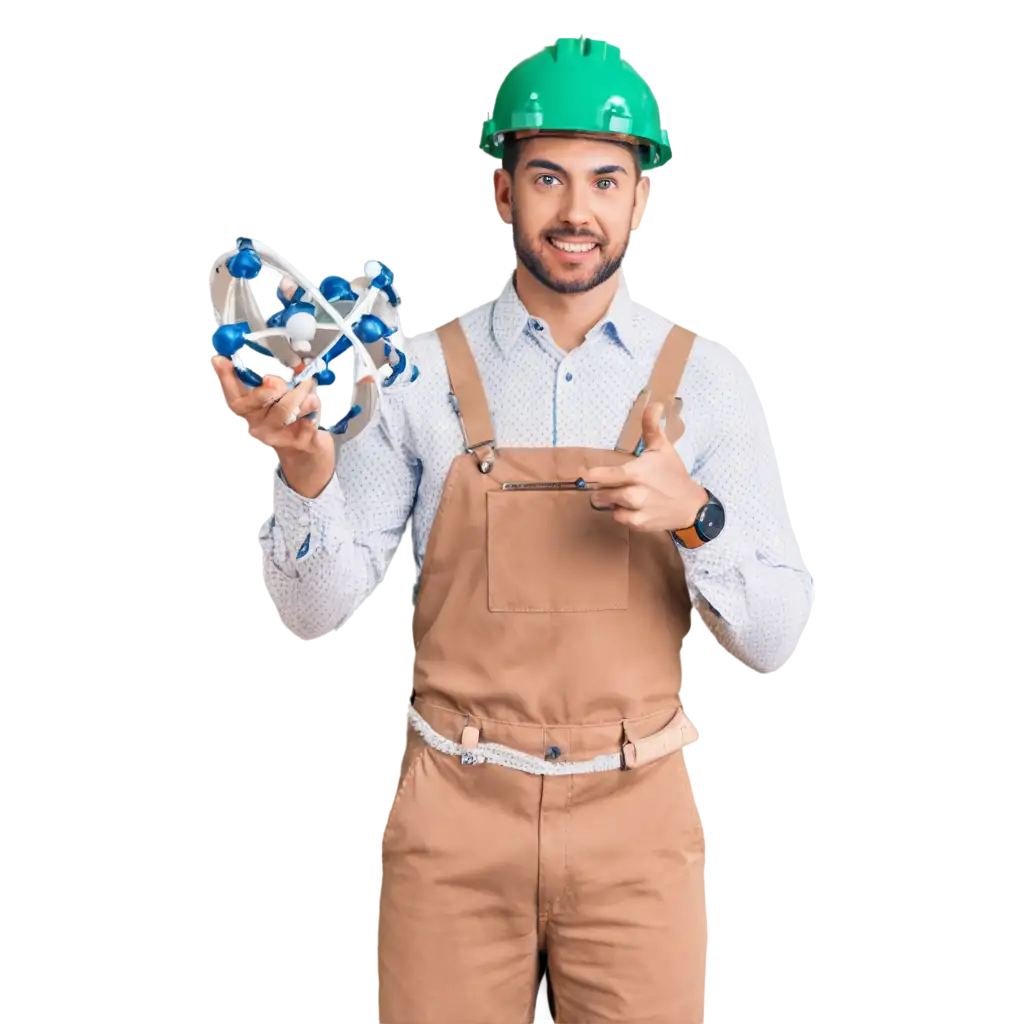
[
  {"x": 370, "y": 328},
  {"x": 245, "y": 263},
  {"x": 337, "y": 289}
]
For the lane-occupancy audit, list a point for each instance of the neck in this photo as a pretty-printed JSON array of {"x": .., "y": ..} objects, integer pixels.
[{"x": 569, "y": 316}]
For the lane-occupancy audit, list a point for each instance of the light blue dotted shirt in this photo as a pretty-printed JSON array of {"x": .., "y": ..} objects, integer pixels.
[{"x": 323, "y": 556}]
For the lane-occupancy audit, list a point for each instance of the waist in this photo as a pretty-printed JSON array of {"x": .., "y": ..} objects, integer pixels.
[{"x": 573, "y": 740}]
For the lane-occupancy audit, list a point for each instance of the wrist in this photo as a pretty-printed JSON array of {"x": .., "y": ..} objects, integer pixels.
[
  {"x": 695, "y": 501},
  {"x": 308, "y": 472},
  {"x": 707, "y": 523}
]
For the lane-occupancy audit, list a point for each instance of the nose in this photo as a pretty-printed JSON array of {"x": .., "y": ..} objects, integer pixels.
[{"x": 576, "y": 204}]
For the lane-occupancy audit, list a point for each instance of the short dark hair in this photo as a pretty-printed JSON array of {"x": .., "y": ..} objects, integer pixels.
[
  {"x": 510, "y": 153},
  {"x": 513, "y": 144}
]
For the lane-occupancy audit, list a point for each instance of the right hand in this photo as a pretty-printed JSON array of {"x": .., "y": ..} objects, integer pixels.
[
  {"x": 267, "y": 409},
  {"x": 306, "y": 452}
]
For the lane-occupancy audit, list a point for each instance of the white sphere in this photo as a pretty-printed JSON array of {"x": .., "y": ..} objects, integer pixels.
[{"x": 301, "y": 327}]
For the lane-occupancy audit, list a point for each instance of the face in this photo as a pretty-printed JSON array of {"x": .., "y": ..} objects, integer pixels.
[{"x": 571, "y": 191}]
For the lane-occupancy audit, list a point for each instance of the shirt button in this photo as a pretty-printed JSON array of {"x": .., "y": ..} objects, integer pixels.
[
  {"x": 568, "y": 376},
  {"x": 536, "y": 325}
]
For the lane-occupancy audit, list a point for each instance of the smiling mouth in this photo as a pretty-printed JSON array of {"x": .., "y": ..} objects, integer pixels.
[{"x": 577, "y": 247}]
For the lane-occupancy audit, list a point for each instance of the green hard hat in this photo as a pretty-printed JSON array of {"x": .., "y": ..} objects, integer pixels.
[{"x": 578, "y": 85}]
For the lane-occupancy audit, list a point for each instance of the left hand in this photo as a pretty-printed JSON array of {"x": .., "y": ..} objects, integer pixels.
[{"x": 653, "y": 491}]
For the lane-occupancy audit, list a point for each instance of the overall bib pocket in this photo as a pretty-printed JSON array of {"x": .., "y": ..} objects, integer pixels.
[{"x": 551, "y": 551}]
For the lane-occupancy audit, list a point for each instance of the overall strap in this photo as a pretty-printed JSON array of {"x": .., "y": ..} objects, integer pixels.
[
  {"x": 470, "y": 397},
  {"x": 664, "y": 380}
]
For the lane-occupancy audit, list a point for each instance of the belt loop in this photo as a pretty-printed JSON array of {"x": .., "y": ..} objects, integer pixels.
[
  {"x": 470, "y": 736},
  {"x": 628, "y": 753},
  {"x": 671, "y": 737}
]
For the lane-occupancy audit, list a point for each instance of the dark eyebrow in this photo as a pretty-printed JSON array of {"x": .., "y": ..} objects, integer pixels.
[
  {"x": 551, "y": 166},
  {"x": 547, "y": 164}
]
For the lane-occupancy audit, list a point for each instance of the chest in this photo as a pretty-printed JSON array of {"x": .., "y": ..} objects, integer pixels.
[
  {"x": 539, "y": 397},
  {"x": 536, "y": 395}
]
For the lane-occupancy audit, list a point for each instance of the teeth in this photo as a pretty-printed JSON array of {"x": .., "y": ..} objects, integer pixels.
[{"x": 573, "y": 247}]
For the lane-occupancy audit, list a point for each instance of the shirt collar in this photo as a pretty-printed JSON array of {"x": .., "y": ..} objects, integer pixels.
[{"x": 509, "y": 317}]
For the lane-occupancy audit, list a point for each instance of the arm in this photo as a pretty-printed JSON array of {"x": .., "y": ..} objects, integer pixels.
[
  {"x": 749, "y": 584},
  {"x": 323, "y": 556}
]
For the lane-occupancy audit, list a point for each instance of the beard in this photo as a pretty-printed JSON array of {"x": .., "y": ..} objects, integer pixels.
[{"x": 532, "y": 259}]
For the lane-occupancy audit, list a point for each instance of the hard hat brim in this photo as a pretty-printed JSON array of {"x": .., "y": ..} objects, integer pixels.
[{"x": 653, "y": 153}]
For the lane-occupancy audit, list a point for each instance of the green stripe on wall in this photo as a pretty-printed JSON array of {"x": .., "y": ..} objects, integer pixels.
[{"x": 837, "y": 103}]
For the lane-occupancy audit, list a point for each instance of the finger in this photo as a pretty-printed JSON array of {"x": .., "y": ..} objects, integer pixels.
[
  {"x": 629, "y": 497},
  {"x": 250, "y": 411},
  {"x": 626, "y": 516},
  {"x": 250, "y": 400},
  {"x": 232, "y": 387},
  {"x": 612, "y": 476},
  {"x": 300, "y": 436},
  {"x": 653, "y": 434},
  {"x": 604, "y": 499},
  {"x": 258, "y": 399},
  {"x": 286, "y": 410},
  {"x": 309, "y": 400},
  {"x": 635, "y": 519},
  {"x": 268, "y": 425},
  {"x": 633, "y": 497}
]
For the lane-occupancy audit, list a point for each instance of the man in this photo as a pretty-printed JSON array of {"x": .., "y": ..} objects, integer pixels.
[{"x": 565, "y": 518}]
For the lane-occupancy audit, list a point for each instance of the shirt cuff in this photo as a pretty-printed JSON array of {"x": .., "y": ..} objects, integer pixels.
[
  {"x": 718, "y": 571},
  {"x": 297, "y": 529}
]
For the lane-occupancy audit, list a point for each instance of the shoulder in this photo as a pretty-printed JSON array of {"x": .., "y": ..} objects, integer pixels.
[
  {"x": 713, "y": 364},
  {"x": 716, "y": 390},
  {"x": 710, "y": 363}
]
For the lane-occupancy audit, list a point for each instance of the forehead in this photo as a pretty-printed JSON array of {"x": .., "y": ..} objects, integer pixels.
[{"x": 579, "y": 153}]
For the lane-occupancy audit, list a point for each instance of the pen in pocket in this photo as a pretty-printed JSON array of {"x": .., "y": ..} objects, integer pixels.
[{"x": 550, "y": 485}]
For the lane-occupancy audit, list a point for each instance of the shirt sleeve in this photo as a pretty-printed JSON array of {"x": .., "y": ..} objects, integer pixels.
[
  {"x": 749, "y": 584},
  {"x": 323, "y": 556}
]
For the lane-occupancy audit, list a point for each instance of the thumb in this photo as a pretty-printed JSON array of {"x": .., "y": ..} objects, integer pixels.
[{"x": 653, "y": 434}]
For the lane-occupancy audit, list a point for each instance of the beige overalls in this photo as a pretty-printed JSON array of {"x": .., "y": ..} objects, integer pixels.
[{"x": 543, "y": 625}]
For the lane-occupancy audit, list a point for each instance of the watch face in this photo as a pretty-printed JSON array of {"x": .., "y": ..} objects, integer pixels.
[{"x": 710, "y": 522}]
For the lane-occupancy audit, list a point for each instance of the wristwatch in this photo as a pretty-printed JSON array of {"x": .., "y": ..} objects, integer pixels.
[{"x": 706, "y": 526}]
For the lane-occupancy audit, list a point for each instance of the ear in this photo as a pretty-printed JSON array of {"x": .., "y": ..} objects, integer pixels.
[
  {"x": 643, "y": 190},
  {"x": 503, "y": 194}
]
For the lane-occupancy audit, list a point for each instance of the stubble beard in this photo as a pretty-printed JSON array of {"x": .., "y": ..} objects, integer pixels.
[{"x": 534, "y": 262}]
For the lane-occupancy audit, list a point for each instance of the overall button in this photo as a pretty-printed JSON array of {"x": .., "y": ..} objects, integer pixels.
[{"x": 552, "y": 753}]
